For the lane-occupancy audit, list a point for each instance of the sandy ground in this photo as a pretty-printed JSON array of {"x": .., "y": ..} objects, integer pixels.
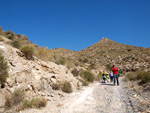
[{"x": 95, "y": 98}]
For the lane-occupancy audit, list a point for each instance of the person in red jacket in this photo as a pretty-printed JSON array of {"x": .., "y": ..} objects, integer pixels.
[{"x": 114, "y": 69}]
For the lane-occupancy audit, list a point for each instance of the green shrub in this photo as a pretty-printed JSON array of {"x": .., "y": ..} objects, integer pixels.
[
  {"x": 56, "y": 86},
  {"x": 16, "y": 98},
  {"x": 8, "y": 32},
  {"x": 143, "y": 76},
  {"x": 75, "y": 72},
  {"x": 85, "y": 83},
  {"x": 88, "y": 76},
  {"x": 108, "y": 67},
  {"x": 129, "y": 50},
  {"x": 28, "y": 51},
  {"x": 18, "y": 35},
  {"x": 34, "y": 103},
  {"x": 3, "y": 69},
  {"x": 91, "y": 66},
  {"x": 43, "y": 54},
  {"x": 10, "y": 35},
  {"x": 67, "y": 87},
  {"x": 16, "y": 44},
  {"x": 61, "y": 61},
  {"x": 1, "y": 39}
]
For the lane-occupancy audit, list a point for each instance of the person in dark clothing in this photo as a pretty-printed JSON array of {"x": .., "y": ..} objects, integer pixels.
[{"x": 114, "y": 69}]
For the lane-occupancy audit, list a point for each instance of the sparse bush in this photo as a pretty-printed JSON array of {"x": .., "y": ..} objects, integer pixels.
[
  {"x": 91, "y": 66},
  {"x": 88, "y": 76},
  {"x": 10, "y": 37},
  {"x": 129, "y": 50},
  {"x": 56, "y": 86},
  {"x": 75, "y": 72},
  {"x": 16, "y": 44},
  {"x": 3, "y": 69},
  {"x": 1, "y": 39},
  {"x": 18, "y": 35},
  {"x": 8, "y": 32},
  {"x": 16, "y": 98},
  {"x": 61, "y": 61},
  {"x": 28, "y": 51},
  {"x": 67, "y": 87},
  {"x": 43, "y": 54},
  {"x": 34, "y": 103},
  {"x": 85, "y": 83},
  {"x": 143, "y": 76},
  {"x": 85, "y": 60},
  {"x": 108, "y": 67}
]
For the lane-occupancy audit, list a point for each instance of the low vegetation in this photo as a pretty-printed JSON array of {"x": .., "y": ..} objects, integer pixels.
[
  {"x": 75, "y": 72},
  {"x": 16, "y": 44},
  {"x": 61, "y": 61},
  {"x": 34, "y": 103},
  {"x": 85, "y": 83},
  {"x": 3, "y": 69},
  {"x": 1, "y": 39},
  {"x": 67, "y": 88},
  {"x": 142, "y": 76},
  {"x": 42, "y": 53},
  {"x": 87, "y": 76},
  {"x": 56, "y": 86},
  {"x": 16, "y": 98},
  {"x": 28, "y": 51}
]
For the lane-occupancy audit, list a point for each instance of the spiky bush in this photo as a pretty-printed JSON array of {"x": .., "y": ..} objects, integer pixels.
[
  {"x": 56, "y": 86},
  {"x": 43, "y": 54},
  {"x": 10, "y": 35},
  {"x": 61, "y": 61},
  {"x": 143, "y": 76},
  {"x": 16, "y": 98},
  {"x": 67, "y": 87},
  {"x": 3, "y": 69},
  {"x": 75, "y": 72},
  {"x": 28, "y": 51},
  {"x": 34, "y": 103},
  {"x": 85, "y": 83},
  {"x": 16, "y": 44},
  {"x": 1, "y": 39},
  {"x": 88, "y": 76}
]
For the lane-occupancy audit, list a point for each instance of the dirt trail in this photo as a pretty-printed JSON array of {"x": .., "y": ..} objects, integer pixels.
[{"x": 96, "y": 98}]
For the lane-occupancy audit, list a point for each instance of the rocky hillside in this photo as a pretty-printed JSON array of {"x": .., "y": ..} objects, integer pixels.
[
  {"x": 35, "y": 77},
  {"x": 105, "y": 52}
]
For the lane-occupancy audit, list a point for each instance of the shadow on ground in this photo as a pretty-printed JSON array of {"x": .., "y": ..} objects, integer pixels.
[{"x": 107, "y": 84}]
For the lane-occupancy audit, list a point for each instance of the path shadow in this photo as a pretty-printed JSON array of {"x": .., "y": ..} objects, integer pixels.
[{"x": 108, "y": 84}]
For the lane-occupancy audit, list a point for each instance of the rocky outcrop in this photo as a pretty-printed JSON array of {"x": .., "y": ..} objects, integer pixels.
[{"x": 35, "y": 77}]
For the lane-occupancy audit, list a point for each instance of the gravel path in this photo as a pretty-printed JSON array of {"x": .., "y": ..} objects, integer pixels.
[{"x": 96, "y": 98}]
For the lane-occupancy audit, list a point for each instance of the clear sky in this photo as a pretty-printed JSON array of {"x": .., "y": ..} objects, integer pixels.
[{"x": 77, "y": 24}]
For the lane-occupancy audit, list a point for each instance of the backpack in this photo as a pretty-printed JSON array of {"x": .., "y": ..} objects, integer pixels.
[{"x": 118, "y": 73}]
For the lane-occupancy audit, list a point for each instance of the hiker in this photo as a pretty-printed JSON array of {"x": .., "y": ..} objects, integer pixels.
[
  {"x": 111, "y": 76},
  {"x": 107, "y": 77},
  {"x": 114, "y": 69},
  {"x": 103, "y": 77}
]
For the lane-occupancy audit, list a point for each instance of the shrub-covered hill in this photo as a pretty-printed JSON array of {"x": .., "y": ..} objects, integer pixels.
[{"x": 102, "y": 54}]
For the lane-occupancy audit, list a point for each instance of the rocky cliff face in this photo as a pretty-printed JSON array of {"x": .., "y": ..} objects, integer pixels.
[{"x": 35, "y": 77}]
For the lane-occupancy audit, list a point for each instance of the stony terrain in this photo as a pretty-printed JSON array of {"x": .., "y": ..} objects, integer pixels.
[{"x": 96, "y": 98}]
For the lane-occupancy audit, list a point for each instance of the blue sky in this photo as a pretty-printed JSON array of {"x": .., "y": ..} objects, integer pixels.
[{"x": 77, "y": 24}]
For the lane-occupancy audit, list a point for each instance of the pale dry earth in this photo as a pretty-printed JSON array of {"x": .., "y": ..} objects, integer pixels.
[{"x": 95, "y": 98}]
